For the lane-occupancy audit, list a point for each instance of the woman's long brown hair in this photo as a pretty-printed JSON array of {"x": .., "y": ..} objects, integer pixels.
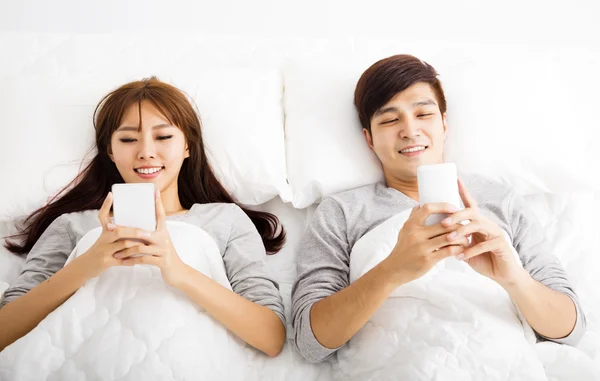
[{"x": 197, "y": 183}]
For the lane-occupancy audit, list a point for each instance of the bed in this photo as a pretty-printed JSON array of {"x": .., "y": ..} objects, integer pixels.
[{"x": 292, "y": 94}]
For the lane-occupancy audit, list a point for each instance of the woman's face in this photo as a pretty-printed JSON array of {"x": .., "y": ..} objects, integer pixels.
[{"x": 148, "y": 152}]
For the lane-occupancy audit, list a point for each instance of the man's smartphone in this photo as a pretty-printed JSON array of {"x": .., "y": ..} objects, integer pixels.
[
  {"x": 438, "y": 183},
  {"x": 134, "y": 205}
]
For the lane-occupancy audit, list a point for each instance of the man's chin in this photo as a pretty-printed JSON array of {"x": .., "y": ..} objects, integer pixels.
[{"x": 405, "y": 169}]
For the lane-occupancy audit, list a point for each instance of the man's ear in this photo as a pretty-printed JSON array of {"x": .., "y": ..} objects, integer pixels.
[
  {"x": 445, "y": 125},
  {"x": 368, "y": 138}
]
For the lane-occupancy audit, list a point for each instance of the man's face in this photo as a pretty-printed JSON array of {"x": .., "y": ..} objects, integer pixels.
[{"x": 408, "y": 131}]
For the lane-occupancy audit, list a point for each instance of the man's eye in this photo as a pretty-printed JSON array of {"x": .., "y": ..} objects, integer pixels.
[
  {"x": 389, "y": 121},
  {"x": 424, "y": 115}
]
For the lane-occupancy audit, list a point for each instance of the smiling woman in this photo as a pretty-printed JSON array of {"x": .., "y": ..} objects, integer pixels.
[
  {"x": 146, "y": 147},
  {"x": 124, "y": 118},
  {"x": 148, "y": 132}
]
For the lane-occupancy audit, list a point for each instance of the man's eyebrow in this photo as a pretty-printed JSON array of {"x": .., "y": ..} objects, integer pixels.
[
  {"x": 131, "y": 128},
  {"x": 427, "y": 102},
  {"x": 382, "y": 111}
]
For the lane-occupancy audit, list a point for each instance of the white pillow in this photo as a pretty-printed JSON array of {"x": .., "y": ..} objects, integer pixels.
[
  {"x": 326, "y": 150},
  {"x": 47, "y": 107},
  {"x": 525, "y": 118},
  {"x": 526, "y": 115}
]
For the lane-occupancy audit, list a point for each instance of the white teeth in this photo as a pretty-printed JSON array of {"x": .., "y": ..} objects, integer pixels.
[
  {"x": 147, "y": 171},
  {"x": 413, "y": 149}
]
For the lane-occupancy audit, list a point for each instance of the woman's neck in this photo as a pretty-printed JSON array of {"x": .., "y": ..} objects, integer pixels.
[{"x": 170, "y": 200}]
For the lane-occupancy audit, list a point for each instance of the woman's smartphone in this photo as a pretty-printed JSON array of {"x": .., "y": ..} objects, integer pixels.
[
  {"x": 134, "y": 205},
  {"x": 438, "y": 183}
]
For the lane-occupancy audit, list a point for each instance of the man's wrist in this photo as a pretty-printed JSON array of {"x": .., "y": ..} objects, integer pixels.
[
  {"x": 521, "y": 281},
  {"x": 391, "y": 275}
]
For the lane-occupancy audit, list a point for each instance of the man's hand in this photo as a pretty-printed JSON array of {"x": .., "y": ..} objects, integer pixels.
[
  {"x": 490, "y": 254},
  {"x": 419, "y": 248}
]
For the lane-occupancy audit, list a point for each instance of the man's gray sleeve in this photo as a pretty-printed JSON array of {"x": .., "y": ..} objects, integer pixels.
[{"x": 531, "y": 244}]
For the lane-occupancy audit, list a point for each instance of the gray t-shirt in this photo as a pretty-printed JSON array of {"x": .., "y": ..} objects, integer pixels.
[
  {"x": 234, "y": 233},
  {"x": 341, "y": 220}
]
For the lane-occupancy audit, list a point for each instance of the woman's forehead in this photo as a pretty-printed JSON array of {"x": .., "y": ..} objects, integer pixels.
[{"x": 144, "y": 112}]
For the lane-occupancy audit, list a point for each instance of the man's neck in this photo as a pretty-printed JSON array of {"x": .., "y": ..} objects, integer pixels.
[{"x": 409, "y": 187}]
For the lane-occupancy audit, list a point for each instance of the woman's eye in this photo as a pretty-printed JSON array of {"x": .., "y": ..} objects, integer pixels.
[
  {"x": 164, "y": 137},
  {"x": 127, "y": 140}
]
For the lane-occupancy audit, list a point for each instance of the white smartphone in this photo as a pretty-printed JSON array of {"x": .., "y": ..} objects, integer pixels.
[
  {"x": 134, "y": 205},
  {"x": 438, "y": 183}
]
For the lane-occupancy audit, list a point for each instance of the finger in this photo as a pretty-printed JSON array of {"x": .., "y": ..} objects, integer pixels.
[
  {"x": 433, "y": 208},
  {"x": 466, "y": 197},
  {"x": 439, "y": 229},
  {"x": 122, "y": 245},
  {"x": 161, "y": 216},
  {"x": 443, "y": 241},
  {"x": 411, "y": 216},
  {"x": 137, "y": 250},
  {"x": 468, "y": 214},
  {"x": 104, "y": 212},
  {"x": 491, "y": 245},
  {"x": 124, "y": 232},
  {"x": 448, "y": 251},
  {"x": 472, "y": 228},
  {"x": 145, "y": 260}
]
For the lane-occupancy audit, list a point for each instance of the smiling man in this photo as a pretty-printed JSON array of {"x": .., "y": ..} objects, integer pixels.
[{"x": 402, "y": 109}]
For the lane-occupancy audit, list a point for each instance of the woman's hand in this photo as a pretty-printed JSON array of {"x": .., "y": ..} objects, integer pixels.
[
  {"x": 255, "y": 324},
  {"x": 100, "y": 256},
  {"x": 158, "y": 251}
]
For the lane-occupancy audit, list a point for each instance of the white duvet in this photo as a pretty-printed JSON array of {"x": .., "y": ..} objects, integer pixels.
[
  {"x": 450, "y": 324},
  {"x": 571, "y": 228},
  {"x": 128, "y": 324}
]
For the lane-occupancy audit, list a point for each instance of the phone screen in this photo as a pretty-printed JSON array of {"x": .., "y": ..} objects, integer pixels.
[{"x": 134, "y": 205}]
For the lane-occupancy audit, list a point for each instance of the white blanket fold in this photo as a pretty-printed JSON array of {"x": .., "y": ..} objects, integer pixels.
[
  {"x": 450, "y": 324},
  {"x": 128, "y": 324}
]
